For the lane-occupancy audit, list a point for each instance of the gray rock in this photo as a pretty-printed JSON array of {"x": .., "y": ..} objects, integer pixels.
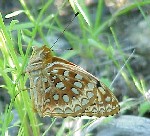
[{"x": 126, "y": 126}]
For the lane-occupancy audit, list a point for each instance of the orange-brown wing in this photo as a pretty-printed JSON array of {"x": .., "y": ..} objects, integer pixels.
[{"x": 64, "y": 89}]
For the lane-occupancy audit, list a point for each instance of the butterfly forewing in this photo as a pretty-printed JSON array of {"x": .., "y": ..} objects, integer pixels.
[{"x": 60, "y": 88}]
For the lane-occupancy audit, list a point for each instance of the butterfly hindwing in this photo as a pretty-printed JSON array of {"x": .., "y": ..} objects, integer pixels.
[{"x": 61, "y": 88}]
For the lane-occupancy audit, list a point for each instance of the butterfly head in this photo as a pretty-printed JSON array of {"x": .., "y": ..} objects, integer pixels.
[
  {"x": 39, "y": 57},
  {"x": 40, "y": 54}
]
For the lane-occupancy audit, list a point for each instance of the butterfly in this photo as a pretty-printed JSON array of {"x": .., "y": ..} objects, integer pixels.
[{"x": 59, "y": 88}]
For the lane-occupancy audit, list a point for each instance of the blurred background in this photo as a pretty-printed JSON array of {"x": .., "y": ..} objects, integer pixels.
[{"x": 109, "y": 38}]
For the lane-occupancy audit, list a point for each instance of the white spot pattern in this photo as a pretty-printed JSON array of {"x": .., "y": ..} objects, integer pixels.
[
  {"x": 68, "y": 110},
  {"x": 59, "y": 85},
  {"x": 65, "y": 98},
  {"x": 84, "y": 101},
  {"x": 75, "y": 90},
  {"x": 66, "y": 73},
  {"x": 78, "y": 84},
  {"x": 78, "y": 77},
  {"x": 90, "y": 95},
  {"x": 90, "y": 86},
  {"x": 48, "y": 89},
  {"x": 56, "y": 97},
  {"x": 77, "y": 108},
  {"x": 55, "y": 71},
  {"x": 51, "y": 64},
  {"x": 54, "y": 77},
  {"x": 107, "y": 99},
  {"x": 58, "y": 110},
  {"x": 66, "y": 79}
]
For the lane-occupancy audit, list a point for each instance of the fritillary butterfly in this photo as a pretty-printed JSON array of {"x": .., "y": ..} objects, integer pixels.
[{"x": 60, "y": 88}]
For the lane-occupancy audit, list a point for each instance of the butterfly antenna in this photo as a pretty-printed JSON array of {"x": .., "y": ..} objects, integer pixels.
[{"x": 76, "y": 14}]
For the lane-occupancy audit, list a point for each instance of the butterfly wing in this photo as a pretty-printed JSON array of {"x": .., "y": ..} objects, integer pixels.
[
  {"x": 60, "y": 88},
  {"x": 72, "y": 91}
]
